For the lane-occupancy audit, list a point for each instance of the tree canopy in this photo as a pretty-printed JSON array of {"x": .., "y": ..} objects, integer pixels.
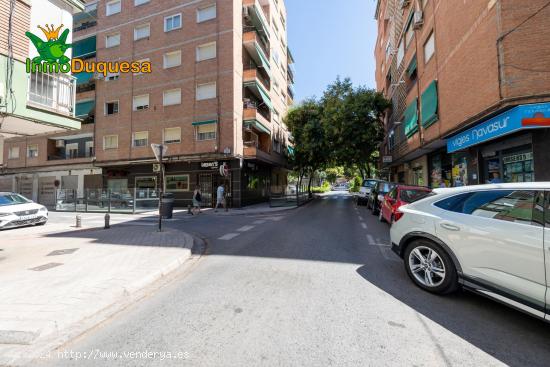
[{"x": 342, "y": 128}]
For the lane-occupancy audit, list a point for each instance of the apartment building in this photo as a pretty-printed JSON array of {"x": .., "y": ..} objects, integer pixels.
[
  {"x": 220, "y": 85},
  {"x": 469, "y": 85},
  {"x": 32, "y": 103}
]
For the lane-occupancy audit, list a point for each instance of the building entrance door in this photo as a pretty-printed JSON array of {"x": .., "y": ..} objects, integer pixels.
[{"x": 205, "y": 183}]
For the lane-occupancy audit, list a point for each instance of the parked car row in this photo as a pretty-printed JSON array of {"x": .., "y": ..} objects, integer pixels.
[{"x": 18, "y": 211}]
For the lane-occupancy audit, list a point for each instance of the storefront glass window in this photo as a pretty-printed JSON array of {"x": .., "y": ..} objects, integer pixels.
[
  {"x": 518, "y": 167},
  {"x": 460, "y": 170},
  {"x": 177, "y": 183}
]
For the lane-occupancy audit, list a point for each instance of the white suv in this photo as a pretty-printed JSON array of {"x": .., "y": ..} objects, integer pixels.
[{"x": 491, "y": 239}]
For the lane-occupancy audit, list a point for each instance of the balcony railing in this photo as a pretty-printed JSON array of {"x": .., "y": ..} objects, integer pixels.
[
  {"x": 71, "y": 156},
  {"x": 54, "y": 92},
  {"x": 251, "y": 72}
]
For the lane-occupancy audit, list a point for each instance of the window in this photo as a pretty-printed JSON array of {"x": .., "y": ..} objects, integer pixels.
[
  {"x": 141, "y": 102},
  {"x": 177, "y": 183},
  {"x": 13, "y": 153},
  {"x": 400, "y": 52},
  {"x": 71, "y": 150},
  {"x": 207, "y": 51},
  {"x": 509, "y": 205},
  {"x": 112, "y": 40},
  {"x": 172, "y": 59},
  {"x": 171, "y": 97},
  {"x": 206, "y": 91},
  {"x": 89, "y": 146},
  {"x": 110, "y": 142},
  {"x": 112, "y": 76},
  {"x": 276, "y": 56},
  {"x": 276, "y": 116},
  {"x": 111, "y": 108},
  {"x": 206, "y": 132},
  {"x": 113, "y": 7},
  {"x": 172, "y": 22},
  {"x": 429, "y": 48},
  {"x": 172, "y": 135},
  {"x": 207, "y": 13},
  {"x": 140, "y": 2},
  {"x": 409, "y": 33},
  {"x": 141, "y": 62},
  {"x": 142, "y": 31},
  {"x": 140, "y": 139}
]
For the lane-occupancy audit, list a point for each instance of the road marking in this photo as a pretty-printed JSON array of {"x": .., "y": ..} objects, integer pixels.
[
  {"x": 259, "y": 222},
  {"x": 228, "y": 236},
  {"x": 370, "y": 239},
  {"x": 276, "y": 219},
  {"x": 364, "y": 225},
  {"x": 245, "y": 228}
]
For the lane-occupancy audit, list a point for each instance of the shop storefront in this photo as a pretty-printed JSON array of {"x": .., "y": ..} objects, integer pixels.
[{"x": 502, "y": 148}]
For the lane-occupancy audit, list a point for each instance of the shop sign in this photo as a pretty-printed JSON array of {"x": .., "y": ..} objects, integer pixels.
[
  {"x": 387, "y": 159},
  {"x": 521, "y": 117},
  {"x": 211, "y": 165},
  {"x": 518, "y": 158}
]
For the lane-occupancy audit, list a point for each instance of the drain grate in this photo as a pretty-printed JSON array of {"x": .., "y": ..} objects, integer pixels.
[
  {"x": 62, "y": 252},
  {"x": 46, "y": 266}
]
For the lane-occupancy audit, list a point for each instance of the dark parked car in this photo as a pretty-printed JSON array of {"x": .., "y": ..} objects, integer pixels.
[{"x": 377, "y": 195}]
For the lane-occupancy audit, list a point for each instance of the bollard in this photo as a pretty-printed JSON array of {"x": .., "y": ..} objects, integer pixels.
[
  {"x": 78, "y": 221},
  {"x": 189, "y": 209},
  {"x": 107, "y": 220}
]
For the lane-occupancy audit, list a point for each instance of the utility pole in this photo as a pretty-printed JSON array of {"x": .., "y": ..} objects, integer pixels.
[{"x": 159, "y": 150}]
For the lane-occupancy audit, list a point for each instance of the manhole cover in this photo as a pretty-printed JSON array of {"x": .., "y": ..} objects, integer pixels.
[
  {"x": 46, "y": 266},
  {"x": 62, "y": 252}
]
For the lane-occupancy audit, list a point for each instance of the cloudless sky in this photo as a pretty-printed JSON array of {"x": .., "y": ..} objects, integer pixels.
[{"x": 329, "y": 38}]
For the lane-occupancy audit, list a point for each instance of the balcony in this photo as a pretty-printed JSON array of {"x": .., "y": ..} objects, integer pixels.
[
  {"x": 79, "y": 146},
  {"x": 84, "y": 20},
  {"x": 257, "y": 48},
  {"x": 252, "y": 115},
  {"x": 52, "y": 92},
  {"x": 255, "y": 16},
  {"x": 252, "y": 75},
  {"x": 290, "y": 75}
]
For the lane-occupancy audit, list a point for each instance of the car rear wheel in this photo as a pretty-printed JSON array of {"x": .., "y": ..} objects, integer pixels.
[{"x": 430, "y": 267}]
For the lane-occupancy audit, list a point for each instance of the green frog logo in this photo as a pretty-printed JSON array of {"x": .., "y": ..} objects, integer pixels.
[{"x": 53, "y": 49}]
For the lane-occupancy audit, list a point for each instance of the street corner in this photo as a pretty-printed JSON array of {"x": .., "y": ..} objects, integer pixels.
[{"x": 56, "y": 285}]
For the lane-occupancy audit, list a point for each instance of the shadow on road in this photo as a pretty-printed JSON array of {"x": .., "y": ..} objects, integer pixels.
[{"x": 510, "y": 336}]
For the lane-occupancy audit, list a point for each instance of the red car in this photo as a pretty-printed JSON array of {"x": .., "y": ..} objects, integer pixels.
[{"x": 400, "y": 195}]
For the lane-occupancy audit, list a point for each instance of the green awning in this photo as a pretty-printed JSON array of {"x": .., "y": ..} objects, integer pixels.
[
  {"x": 263, "y": 58},
  {"x": 429, "y": 105},
  {"x": 265, "y": 96},
  {"x": 83, "y": 109},
  {"x": 258, "y": 125},
  {"x": 411, "y": 119},
  {"x": 85, "y": 47},
  {"x": 256, "y": 17},
  {"x": 83, "y": 78},
  {"x": 197, "y": 123},
  {"x": 412, "y": 66}
]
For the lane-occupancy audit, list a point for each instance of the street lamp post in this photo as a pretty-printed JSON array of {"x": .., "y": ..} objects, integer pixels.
[{"x": 159, "y": 150}]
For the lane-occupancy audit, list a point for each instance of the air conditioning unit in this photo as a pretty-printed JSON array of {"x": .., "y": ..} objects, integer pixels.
[
  {"x": 60, "y": 143},
  {"x": 418, "y": 19}
]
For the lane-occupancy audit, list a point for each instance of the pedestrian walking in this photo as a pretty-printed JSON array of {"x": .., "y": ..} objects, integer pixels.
[
  {"x": 197, "y": 200},
  {"x": 220, "y": 197}
]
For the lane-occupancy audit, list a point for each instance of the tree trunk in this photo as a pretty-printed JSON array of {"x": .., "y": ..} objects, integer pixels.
[
  {"x": 368, "y": 170},
  {"x": 310, "y": 194}
]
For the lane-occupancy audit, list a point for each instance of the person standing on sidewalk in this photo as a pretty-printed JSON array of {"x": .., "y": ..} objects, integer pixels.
[
  {"x": 197, "y": 199},
  {"x": 220, "y": 197}
]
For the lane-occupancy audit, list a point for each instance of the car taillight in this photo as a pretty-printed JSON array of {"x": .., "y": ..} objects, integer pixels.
[{"x": 398, "y": 215}]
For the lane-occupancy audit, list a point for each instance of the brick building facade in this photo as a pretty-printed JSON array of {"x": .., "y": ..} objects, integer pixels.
[
  {"x": 219, "y": 88},
  {"x": 469, "y": 84}
]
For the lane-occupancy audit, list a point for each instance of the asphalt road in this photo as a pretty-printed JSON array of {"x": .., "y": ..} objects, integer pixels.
[{"x": 315, "y": 286}]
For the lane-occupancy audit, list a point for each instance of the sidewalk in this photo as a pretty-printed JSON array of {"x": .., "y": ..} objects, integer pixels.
[{"x": 53, "y": 284}]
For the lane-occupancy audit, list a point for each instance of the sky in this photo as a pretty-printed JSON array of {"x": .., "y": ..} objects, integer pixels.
[{"x": 329, "y": 38}]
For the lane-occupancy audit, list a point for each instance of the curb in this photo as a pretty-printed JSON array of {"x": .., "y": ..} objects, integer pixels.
[{"x": 128, "y": 296}]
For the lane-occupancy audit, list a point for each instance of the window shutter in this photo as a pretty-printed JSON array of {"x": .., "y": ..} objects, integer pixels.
[
  {"x": 205, "y": 52},
  {"x": 141, "y": 102},
  {"x": 172, "y": 97},
  {"x": 206, "y": 91},
  {"x": 206, "y": 13},
  {"x": 172, "y": 59}
]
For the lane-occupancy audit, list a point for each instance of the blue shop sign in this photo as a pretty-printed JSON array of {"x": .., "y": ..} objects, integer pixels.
[{"x": 530, "y": 116}]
